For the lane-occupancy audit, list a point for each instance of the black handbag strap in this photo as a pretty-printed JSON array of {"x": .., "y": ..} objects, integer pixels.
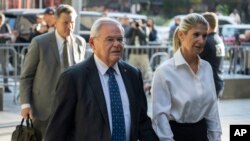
[
  {"x": 27, "y": 132},
  {"x": 29, "y": 122},
  {"x": 22, "y": 122}
]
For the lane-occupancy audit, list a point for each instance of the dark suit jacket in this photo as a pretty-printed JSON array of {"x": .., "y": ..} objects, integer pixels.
[
  {"x": 41, "y": 71},
  {"x": 80, "y": 109}
]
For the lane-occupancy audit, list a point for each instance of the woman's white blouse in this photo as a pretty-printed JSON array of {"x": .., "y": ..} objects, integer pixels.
[{"x": 181, "y": 95}]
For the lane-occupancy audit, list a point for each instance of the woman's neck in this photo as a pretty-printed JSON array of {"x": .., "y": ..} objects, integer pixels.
[{"x": 192, "y": 60}]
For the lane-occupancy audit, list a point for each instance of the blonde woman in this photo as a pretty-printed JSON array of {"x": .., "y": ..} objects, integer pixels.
[{"x": 184, "y": 97}]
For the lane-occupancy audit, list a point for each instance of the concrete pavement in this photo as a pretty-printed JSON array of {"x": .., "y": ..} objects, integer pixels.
[{"x": 235, "y": 111}]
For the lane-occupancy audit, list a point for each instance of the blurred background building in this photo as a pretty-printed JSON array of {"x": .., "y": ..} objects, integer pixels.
[{"x": 167, "y": 8}]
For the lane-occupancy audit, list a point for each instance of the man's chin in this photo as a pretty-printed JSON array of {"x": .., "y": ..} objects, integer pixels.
[{"x": 116, "y": 57}]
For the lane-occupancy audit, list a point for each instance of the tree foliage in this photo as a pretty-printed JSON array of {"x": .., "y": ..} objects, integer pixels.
[{"x": 174, "y": 7}]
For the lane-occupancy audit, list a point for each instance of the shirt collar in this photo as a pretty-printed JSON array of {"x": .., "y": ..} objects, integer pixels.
[
  {"x": 179, "y": 59},
  {"x": 59, "y": 38},
  {"x": 102, "y": 67}
]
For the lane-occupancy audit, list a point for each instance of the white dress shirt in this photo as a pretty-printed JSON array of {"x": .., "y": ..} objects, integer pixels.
[
  {"x": 102, "y": 69},
  {"x": 60, "y": 42},
  {"x": 181, "y": 95}
]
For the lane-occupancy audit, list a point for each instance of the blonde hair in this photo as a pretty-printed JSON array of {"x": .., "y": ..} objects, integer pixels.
[{"x": 186, "y": 24}]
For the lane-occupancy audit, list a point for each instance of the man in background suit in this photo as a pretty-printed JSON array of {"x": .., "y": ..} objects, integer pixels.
[
  {"x": 83, "y": 106},
  {"x": 44, "y": 63}
]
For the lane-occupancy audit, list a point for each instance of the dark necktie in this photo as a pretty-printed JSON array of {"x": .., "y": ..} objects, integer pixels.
[
  {"x": 65, "y": 55},
  {"x": 118, "y": 122}
]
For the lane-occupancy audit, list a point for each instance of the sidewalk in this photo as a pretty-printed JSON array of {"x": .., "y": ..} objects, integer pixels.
[
  {"x": 9, "y": 117},
  {"x": 231, "y": 112}
]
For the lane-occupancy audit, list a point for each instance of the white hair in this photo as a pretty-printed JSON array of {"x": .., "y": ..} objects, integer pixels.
[{"x": 94, "y": 32}]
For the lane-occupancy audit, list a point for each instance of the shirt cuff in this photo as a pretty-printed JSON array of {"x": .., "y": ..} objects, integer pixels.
[
  {"x": 216, "y": 136},
  {"x": 23, "y": 106}
]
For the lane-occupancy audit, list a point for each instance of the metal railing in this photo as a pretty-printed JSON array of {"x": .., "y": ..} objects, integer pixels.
[
  {"x": 9, "y": 54},
  {"x": 230, "y": 51},
  {"x": 236, "y": 58}
]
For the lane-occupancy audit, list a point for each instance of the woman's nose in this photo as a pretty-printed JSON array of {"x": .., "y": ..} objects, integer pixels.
[{"x": 202, "y": 39}]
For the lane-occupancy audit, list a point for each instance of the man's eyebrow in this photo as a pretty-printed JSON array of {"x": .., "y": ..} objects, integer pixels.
[{"x": 114, "y": 36}]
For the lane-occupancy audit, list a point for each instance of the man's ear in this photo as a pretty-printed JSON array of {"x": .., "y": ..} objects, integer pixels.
[{"x": 91, "y": 43}]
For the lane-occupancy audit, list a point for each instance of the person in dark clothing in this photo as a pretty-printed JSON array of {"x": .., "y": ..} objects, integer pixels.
[
  {"x": 177, "y": 21},
  {"x": 152, "y": 37},
  {"x": 137, "y": 38},
  {"x": 90, "y": 108},
  {"x": 39, "y": 28},
  {"x": 214, "y": 51},
  {"x": 50, "y": 19},
  {"x": 136, "y": 34},
  {"x": 5, "y": 36}
]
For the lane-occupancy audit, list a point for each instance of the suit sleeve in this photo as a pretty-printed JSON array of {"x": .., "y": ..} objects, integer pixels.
[
  {"x": 60, "y": 126},
  {"x": 28, "y": 73},
  {"x": 146, "y": 132}
]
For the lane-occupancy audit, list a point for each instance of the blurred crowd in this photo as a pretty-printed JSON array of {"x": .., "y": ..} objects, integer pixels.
[{"x": 139, "y": 35}]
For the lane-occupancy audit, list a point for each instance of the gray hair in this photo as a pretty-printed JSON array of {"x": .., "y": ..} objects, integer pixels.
[
  {"x": 94, "y": 32},
  {"x": 186, "y": 24},
  {"x": 65, "y": 8}
]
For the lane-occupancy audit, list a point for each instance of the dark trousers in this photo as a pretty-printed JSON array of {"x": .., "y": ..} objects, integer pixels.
[
  {"x": 189, "y": 131},
  {"x": 4, "y": 65},
  {"x": 41, "y": 126}
]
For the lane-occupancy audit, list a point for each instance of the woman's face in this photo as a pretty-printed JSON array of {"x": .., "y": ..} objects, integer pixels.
[{"x": 194, "y": 40}]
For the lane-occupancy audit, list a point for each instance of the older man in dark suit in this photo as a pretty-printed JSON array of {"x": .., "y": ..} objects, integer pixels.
[
  {"x": 48, "y": 55},
  {"x": 102, "y": 98}
]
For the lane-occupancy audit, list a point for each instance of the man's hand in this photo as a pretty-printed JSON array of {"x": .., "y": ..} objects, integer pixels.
[{"x": 26, "y": 112}]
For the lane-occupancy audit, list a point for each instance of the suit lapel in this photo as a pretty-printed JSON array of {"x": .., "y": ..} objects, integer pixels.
[
  {"x": 96, "y": 85},
  {"x": 126, "y": 76},
  {"x": 77, "y": 50}
]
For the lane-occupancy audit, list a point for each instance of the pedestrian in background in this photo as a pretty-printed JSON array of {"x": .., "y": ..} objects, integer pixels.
[
  {"x": 45, "y": 22},
  {"x": 247, "y": 36},
  {"x": 48, "y": 55},
  {"x": 49, "y": 17},
  {"x": 102, "y": 98},
  {"x": 236, "y": 17},
  {"x": 152, "y": 33},
  {"x": 177, "y": 21},
  {"x": 214, "y": 51},
  {"x": 5, "y": 37},
  {"x": 138, "y": 55},
  {"x": 40, "y": 27},
  {"x": 184, "y": 96}
]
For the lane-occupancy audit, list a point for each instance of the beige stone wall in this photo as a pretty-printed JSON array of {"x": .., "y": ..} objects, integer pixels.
[{"x": 236, "y": 88}]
